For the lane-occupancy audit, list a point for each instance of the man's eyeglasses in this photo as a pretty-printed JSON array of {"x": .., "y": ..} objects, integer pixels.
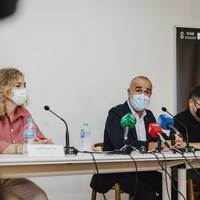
[{"x": 196, "y": 102}]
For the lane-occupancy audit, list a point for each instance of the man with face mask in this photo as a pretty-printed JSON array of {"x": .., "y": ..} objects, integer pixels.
[
  {"x": 191, "y": 119},
  {"x": 139, "y": 93}
]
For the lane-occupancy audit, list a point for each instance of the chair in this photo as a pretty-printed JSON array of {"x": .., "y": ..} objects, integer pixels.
[
  {"x": 193, "y": 191},
  {"x": 117, "y": 189},
  {"x": 99, "y": 147}
]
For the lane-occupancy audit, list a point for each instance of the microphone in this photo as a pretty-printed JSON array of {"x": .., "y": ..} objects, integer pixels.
[
  {"x": 167, "y": 123},
  {"x": 188, "y": 148},
  {"x": 156, "y": 132},
  {"x": 68, "y": 149},
  {"x": 127, "y": 121}
]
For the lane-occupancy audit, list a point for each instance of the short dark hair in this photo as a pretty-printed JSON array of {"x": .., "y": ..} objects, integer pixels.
[{"x": 194, "y": 92}]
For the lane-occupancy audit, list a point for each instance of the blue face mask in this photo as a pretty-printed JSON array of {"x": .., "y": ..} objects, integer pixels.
[{"x": 139, "y": 102}]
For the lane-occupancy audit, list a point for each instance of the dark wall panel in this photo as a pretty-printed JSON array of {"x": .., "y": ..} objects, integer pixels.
[{"x": 188, "y": 63}]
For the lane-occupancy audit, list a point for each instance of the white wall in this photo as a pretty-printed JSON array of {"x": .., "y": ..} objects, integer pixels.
[{"x": 79, "y": 57}]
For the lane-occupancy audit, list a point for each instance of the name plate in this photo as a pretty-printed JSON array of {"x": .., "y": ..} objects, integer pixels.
[{"x": 41, "y": 150}]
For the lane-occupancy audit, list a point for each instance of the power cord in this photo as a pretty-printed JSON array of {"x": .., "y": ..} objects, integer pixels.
[
  {"x": 174, "y": 187},
  {"x": 189, "y": 162},
  {"x": 95, "y": 163},
  {"x": 136, "y": 176}
]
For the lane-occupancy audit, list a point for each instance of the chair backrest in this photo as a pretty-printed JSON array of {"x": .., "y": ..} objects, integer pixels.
[
  {"x": 193, "y": 190},
  {"x": 97, "y": 146}
]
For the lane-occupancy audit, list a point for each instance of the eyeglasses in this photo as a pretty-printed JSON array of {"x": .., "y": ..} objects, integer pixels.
[{"x": 196, "y": 102}]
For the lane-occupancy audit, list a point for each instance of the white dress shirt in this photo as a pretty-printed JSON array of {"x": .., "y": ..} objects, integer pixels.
[{"x": 140, "y": 125}]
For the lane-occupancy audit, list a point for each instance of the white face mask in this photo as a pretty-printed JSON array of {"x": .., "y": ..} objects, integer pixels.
[
  {"x": 20, "y": 96},
  {"x": 139, "y": 102}
]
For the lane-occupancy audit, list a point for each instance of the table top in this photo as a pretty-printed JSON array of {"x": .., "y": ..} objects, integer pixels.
[
  {"x": 19, "y": 159},
  {"x": 19, "y": 166}
]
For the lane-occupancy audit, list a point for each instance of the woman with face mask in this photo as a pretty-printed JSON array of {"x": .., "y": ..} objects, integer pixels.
[{"x": 13, "y": 118}]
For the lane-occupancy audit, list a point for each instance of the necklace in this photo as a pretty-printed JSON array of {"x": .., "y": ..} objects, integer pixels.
[{"x": 11, "y": 116}]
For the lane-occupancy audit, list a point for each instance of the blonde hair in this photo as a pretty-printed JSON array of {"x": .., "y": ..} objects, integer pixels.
[{"x": 8, "y": 78}]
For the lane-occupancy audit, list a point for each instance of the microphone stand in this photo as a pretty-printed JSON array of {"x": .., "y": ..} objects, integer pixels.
[
  {"x": 67, "y": 148},
  {"x": 172, "y": 137},
  {"x": 127, "y": 148},
  {"x": 159, "y": 146},
  {"x": 188, "y": 148}
]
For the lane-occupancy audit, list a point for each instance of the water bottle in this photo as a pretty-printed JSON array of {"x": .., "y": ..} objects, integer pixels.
[
  {"x": 85, "y": 135},
  {"x": 29, "y": 134}
]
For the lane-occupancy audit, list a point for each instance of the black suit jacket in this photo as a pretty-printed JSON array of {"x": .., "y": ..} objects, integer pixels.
[{"x": 114, "y": 132}]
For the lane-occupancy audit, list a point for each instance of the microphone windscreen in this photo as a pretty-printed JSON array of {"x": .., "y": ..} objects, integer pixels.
[
  {"x": 128, "y": 120},
  {"x": 164, "y": 121},
  {"x": 164, "y": 109},
  {"x": 153, "y": 129},
  {"x": 46, "y": 107}
]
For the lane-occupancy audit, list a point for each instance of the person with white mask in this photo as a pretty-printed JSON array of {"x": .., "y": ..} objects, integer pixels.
[
  {"x": 13, "y": 118},
  {"x": 140, "y": 184}
]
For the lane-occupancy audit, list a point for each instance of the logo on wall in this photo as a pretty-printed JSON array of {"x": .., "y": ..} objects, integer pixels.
[
  {"x": 182, "y": 35},
  {"x": 189, "y": 35},
  {"x": 198, "y": 36}
]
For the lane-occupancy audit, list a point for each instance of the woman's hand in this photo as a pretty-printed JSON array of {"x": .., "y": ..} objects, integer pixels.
[{"x": 44, "y": 141}]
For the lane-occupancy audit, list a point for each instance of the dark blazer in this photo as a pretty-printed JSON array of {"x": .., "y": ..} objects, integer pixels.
[{"x": 114, "y": 132}]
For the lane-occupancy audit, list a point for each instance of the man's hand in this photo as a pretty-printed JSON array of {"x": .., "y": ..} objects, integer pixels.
[{"x": 179, "y": 143}]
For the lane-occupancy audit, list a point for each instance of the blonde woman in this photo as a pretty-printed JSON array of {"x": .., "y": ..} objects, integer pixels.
[{"x": 13, "y": 118}]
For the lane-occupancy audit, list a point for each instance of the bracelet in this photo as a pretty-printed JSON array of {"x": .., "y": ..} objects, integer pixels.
[{"x": 17, "y": 148}]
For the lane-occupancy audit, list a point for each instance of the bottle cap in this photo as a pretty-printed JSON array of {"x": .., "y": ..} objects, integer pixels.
[{"x": 30, "y": 120}]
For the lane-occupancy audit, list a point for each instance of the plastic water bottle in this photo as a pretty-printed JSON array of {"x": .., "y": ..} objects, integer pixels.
[
  {"x": 29, "y": 134},
  {"x": 85, "y": 135}
]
